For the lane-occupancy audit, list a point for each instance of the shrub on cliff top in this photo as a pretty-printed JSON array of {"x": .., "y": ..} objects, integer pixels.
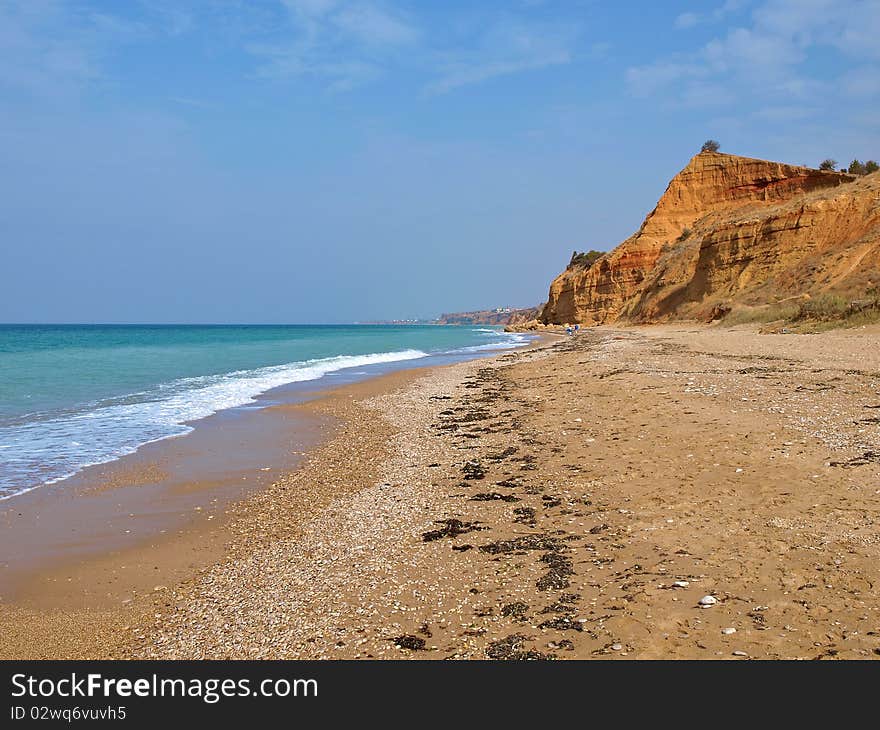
[
  {"x": 585, "y": 259},
  {"x": 710, "y": 145},
  {"x": 856, "y": 168}
]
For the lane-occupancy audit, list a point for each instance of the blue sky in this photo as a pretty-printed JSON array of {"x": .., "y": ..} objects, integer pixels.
[{"x": 340, "y": 160}]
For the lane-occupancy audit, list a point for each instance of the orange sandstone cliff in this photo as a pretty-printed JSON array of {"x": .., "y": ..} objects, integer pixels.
[{"x": 731, "y": 229}]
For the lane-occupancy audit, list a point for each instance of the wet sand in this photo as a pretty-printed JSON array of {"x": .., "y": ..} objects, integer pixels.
[
  {"x": 85, "y": 559},
  {"x": 166, "y": 488},
  {"x": 575, "y": 500}
]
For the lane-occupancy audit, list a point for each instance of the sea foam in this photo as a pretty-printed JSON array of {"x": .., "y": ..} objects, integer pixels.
[{"x": 51, "y": 446}]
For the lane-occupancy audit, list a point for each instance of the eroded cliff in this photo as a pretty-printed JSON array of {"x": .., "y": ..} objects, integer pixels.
[{"x": 730, "y": 228}]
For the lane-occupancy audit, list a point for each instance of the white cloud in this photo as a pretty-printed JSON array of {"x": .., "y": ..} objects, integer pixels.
[
  {"x": 652, "y": 78},
  {"x": 687, "y": 20},
  {"x": 466, "y": 75},
  {"x": 350, "y": 42},
  {"x": 45, "y": 50},
  {"x": 280, "y": 62},
  {"x": 329, "y": 22},
  {"x": 504, "y": 48},
  {"x": 703, "y": 94},
  {"x": 600, "y": 49},
  {"x": 768, "y": 56},
  {"x": 311, "y": 8},
  {"x": 374, "y": 27},
  {"x": 753, "y": 52},
  {"x": 851, "y": 26},
  {"x": 191, "y": 102},
  {"x": 345, "y": 42},
  {"x": 58, "y": 48},
  {"x": 172, "y": 19},
  {"x": 690, "y": 19}
]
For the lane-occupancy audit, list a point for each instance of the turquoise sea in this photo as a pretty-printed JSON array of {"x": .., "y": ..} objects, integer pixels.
[{"x": 76, "y": 395}]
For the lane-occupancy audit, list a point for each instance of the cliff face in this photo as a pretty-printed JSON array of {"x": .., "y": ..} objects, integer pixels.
[{"x": 726, "y": 226}]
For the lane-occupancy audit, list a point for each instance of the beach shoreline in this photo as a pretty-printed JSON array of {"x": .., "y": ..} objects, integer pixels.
[
  {"x": 115, "y": 587},
  {"x": 576, "y": 499},
  {"x": 90, "y": 552}
]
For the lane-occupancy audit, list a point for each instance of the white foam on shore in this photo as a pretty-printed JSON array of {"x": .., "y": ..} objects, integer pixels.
[
  {"x": 504, "y": 341},
  {"x": 117, "y": 427},
  {"x": 46, "y": 448}
]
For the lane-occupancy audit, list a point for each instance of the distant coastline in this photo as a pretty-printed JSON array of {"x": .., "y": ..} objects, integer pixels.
[
  {"x": 501, "y": 316},
  {"x": 498, "y": 317}
]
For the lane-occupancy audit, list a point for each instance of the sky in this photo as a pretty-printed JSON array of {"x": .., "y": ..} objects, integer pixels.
[{"x": 352, "y": 160}]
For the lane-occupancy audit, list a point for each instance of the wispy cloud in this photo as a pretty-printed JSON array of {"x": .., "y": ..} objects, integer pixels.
[
  {"x": 373, "y": 26},
  {"x": 280, "y": 62},
  {"x": 687, "y": 20},
  {"x": 691, "y": 19},
  {"x": 357, "y": 21},
  {"x": 45, "y": 50},
  {"x": 851, "y": 26},
  {"x": 504, "y": 48},
  {"x": 654, "y": 77},
  {"x": 63, "y": 46},
  {"x": 769, "y": 56},
  {"x": 191, "y": 102},
  {"x": 56, "y": 48},
  {"x": 173, "y": 19},
  {"x": 346, "y": 43}
]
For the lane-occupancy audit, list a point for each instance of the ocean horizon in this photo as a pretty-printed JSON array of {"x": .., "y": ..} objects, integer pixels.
[{"x": 77, "y": 395}]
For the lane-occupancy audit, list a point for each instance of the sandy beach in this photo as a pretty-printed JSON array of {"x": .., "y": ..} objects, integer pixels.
[{"x": 573, "y": 500}]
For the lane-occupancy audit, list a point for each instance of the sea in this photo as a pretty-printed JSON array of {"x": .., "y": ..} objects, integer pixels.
[{"x": 73, "y": 396}]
